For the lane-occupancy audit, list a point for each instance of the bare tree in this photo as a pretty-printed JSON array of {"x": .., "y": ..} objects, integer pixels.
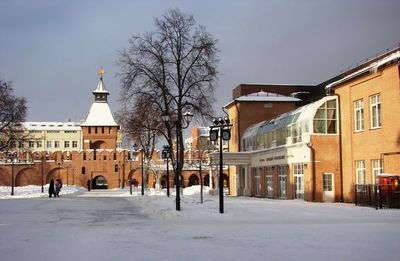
[
  {"x": 175, "y": 68},
  {"x": 12, "y": 114},
  {"x": 141, "y": 127}
]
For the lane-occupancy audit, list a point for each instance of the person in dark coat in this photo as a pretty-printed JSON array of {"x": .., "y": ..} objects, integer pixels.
[
  {"x": 51, "y": 188},
  {"x": 57, "y": 186}
]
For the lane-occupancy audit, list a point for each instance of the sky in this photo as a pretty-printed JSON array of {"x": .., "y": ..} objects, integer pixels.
[
  {"x": 52, "y": 49},
  {"x": 113, "y": 225}
]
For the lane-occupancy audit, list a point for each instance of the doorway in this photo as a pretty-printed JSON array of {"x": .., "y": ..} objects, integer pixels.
[{"x": 328, "y": 194}]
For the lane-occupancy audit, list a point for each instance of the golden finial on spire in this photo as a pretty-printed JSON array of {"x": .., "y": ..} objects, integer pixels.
[{"x": 101, "y": 72}]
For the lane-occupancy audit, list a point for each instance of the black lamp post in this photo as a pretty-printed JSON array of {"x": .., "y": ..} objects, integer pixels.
[
  {"x": 136, "y": 148},
  {"x": 12, "y": 156},
  {"x": 42, "y": 172},
  {"x": 222, "y": 129},
  {"x": 166, "y": 154},
  {"x": 187, "y": 117}
]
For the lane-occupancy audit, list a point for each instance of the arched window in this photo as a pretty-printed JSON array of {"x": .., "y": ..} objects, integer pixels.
[{"x": 325, "y": 120}]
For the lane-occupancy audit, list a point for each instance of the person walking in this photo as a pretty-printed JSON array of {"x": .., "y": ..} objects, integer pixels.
[
  {"x": 58, "y": 186},
  {"x": 51, "y": 188}
]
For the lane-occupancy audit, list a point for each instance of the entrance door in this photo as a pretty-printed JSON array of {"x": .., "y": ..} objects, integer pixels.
[
  {"x": 299, "y": 186},
  {"x": 328, "y": 194}
]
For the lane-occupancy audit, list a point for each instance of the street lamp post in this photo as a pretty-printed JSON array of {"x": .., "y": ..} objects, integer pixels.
[
  {"x": 42, "y": 172},
  {"x": 136, "y": 148},
  {"x": 119, "y": 174},
  {"x": 12, "y": 156},
  {"x": 187, "y": 117},
  {"x": 123, "y": 171},
  {"x": 222, "y": 129},
  {"x": 166, "y": 152}
]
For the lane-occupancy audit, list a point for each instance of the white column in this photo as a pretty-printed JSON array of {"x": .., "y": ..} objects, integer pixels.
[{"x": 247, "y": 180}]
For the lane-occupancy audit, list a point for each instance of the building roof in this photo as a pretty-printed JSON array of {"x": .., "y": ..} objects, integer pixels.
[
  {"x": 51, "y": 126},
  {"x": 264, "y": 97},
  {"x": 100, "y": 113},
  {"x": 304, "y": 113},
  {"x": 101, "y": 88},
  {"x": 373, "y": 66}
]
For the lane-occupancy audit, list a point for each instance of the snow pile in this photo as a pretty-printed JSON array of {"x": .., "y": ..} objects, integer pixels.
[{"x": 33, "y": 191}]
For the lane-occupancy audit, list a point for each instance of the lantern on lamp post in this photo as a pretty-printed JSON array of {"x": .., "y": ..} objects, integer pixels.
[
  {"x": 177, "y": 123},
  {"x": 221, "y": 129}
]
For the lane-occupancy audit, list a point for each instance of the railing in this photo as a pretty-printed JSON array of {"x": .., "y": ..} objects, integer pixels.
[{"x": 377, "y": 196}]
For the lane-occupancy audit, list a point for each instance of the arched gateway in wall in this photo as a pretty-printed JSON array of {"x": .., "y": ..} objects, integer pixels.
[{"x": 99, "y": 182}]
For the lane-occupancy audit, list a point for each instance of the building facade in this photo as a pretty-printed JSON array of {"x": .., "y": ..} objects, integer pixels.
[
  {"x": 370, "y": 107},
  {"x": 322, "y": 150}
]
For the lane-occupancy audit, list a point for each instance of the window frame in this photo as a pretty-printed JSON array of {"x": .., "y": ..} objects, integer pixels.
[
  {"x": 376, "y": 169},
  {"x": 360, "y": 171},
  {"x": 376, "y": 107},
  {"x": 359, "y": 115}
]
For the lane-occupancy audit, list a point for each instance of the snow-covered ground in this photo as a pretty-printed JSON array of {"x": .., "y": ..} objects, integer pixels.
[{"x": 114, "y": 225}]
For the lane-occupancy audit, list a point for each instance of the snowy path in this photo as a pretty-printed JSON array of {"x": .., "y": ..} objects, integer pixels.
[{"x": 112, "y": 225}]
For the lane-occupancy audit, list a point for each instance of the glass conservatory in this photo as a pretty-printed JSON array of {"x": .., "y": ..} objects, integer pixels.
[{"x": 317, "y": 118}]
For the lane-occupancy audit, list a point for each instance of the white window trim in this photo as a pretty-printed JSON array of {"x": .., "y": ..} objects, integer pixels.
[
  {"x": 374, "y": 107},
  {"x": 376, "y": 170},
  {"x": 361, "y": 110},
  {"x": 360, "y": 170}
]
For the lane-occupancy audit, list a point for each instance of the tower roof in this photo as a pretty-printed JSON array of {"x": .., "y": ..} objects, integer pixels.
[
  {"x": 100, "y": 113},
  {"x": 101, "y": 87}
]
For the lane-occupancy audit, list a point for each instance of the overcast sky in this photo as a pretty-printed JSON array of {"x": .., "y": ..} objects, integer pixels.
[{"x": 52, "y": 50}]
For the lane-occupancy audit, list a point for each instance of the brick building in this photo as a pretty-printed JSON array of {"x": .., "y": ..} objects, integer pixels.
[
  {"x": 320, "y": 150},
  {"x": 370, "y": 106}
]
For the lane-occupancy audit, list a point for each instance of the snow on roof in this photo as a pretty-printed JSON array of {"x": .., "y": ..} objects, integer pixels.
[
  {"x": 101, "y": 88},
  {"x": 303, "y": 113},
  {"x": 49, "y": 126},
  {"x": 372, "y": 67},
  {"x": 100, "y": 115},
  {"x": 264, "y": 97}
]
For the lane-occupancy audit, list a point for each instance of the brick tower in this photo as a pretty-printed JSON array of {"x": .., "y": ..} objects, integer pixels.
[{"x": 99, "y": 131}]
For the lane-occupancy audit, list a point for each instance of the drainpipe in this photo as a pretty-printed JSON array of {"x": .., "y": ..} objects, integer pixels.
[
  {"x": 340, "y": 149},
  {"x": 312, "y": 150},
  {"x": 238, "y": 124}
]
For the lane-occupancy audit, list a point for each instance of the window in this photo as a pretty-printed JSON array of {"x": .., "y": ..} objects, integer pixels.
[
  {"x": 48, "y": 144},
  {"x": 327, "y": 182},
  {"x": 376, "y": 119},
  {"x": 376, "y": 169},
  {"x": 282, "y": 172},
  {"x": 56, "y": 144},
  {"x": 298, "y": 173},
  {"x": 74, "y": 144},
  {"x": 359, "y": 115},
  {"x": 360, "y": 172},
  {"x": 258, "y": 182},
  {"x": 38, "y": 144},
  {"x": 66, "y": 144},
  {"x": 83, "y": 170},
  {"x": 90, "y": 130},
  {"x": 269, "y": 182},
  {"x": 31, "y": 144},
  {"x": 325, "y": 118}
]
